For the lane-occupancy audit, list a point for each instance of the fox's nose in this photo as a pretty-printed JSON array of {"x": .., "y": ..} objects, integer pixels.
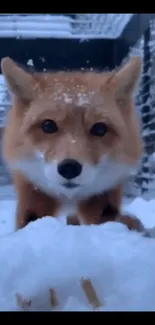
[{"x": 69, "y": 168}]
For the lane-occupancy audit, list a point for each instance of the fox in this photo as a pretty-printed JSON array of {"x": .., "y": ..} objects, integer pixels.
[{"x": 71, "y": 140}]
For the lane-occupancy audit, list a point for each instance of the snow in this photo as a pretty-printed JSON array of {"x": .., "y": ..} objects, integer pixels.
[
  {"x": 48, "y": 256},
  {"x": 7, "y": 213}
]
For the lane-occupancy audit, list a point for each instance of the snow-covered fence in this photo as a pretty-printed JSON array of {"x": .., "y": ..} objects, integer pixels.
[
  {"x": 33, "y": 26},
  {"x": 63, "y": 26}
]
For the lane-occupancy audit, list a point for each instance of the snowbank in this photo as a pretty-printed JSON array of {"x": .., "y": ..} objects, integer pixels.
[
  {"x": 144, "y": 210},
  {"x": 48, "y": 257}
]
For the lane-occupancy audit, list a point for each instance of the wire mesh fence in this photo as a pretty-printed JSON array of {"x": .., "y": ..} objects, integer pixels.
[
  {"x": 99, "y": 25},
  {"x": 144, "y": 181}
]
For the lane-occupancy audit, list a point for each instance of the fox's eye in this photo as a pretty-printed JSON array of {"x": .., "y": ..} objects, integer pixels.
[
  {"x": 49, "y": 126},
  {"x": 99, "y": 129}
]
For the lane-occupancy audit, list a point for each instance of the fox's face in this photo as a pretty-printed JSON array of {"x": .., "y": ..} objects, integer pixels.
[{"x": 73, "y": 134}]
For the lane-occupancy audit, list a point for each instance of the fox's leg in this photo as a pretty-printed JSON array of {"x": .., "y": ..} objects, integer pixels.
[
  {"x": 101, "y": 208},
  {"x": 73, "y": 220},
  {"x": 112, "y": 210},
  {"x": 32, "y": 204},
  {"x": 30, "y": 208},
  {"x": 112, "y": 204},
  {"x": 107, "y": 207},
  {"x": 23, "y": 216},
  {"x": 132, "y": 222}
]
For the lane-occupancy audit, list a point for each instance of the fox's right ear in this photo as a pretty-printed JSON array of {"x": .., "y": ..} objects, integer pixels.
[
  {"x": 128, "y": 76},
  {"x": 20, "y": 83}
]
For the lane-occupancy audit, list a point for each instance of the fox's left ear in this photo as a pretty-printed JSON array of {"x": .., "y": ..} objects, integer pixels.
[
  {"x": 21, "y": 83},
  {"x": 126, "y": 79}
]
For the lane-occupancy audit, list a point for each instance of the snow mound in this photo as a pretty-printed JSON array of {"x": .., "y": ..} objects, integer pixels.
[
  {"x": 142, "y": 209},
  {"x": 48, "y": 256}
]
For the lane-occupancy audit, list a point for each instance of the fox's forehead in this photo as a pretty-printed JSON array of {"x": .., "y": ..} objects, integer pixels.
[
  {"x": 74, "y": 89},
  {"x": 63, "y": 103},
  {"x": 64, "y": 96},
  {"x": 75, "y": 79}
]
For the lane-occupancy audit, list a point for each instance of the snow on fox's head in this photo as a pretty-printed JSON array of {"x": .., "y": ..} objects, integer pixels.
[{"x": 73, "y": 133}]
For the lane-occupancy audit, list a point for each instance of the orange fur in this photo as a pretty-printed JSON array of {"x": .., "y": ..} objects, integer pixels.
[{"x": 75, "y": 101}]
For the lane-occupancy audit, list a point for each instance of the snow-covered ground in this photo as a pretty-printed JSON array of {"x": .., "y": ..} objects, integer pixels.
[{"x": 44, "y": 264}]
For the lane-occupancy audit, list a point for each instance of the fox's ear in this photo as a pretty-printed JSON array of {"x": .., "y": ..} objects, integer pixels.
[
  {"x": 20, "y": 83},
  {"x": 127, "y": 77}
]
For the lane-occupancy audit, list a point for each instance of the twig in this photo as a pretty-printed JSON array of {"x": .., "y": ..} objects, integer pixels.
[
  {"x": 90, "y": 293},
  {"x": 53, "y": 298},
  {"x": 22, "y": 303}
]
